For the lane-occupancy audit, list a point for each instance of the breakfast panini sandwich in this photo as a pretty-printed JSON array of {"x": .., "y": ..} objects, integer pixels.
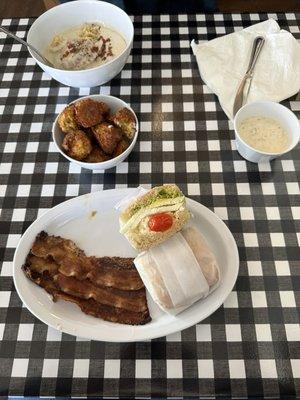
[{"x": 154, "y": 217}]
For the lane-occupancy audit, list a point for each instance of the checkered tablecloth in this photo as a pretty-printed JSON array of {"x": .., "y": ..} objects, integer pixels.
[{"x": 250, "y": 346}]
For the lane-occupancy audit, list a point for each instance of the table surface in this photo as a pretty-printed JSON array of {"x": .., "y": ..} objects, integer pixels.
[{"x": 246, "y": 348}]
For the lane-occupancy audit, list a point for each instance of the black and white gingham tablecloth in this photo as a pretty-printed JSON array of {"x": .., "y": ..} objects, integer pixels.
[{"x": 250, "y": 346}]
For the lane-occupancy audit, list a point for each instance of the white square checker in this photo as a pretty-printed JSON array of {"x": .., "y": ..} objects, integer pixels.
[
  {"x": 287, "y": 298},
  {"x": 112, "y": 369},
  {"x": 295, "y": 364},
  {"x": 28, "y": 168},
  {"x": 282, "y": 268},
  {"x": 25, "y": 332},
  {"x": 203, "y": 333},
  {"x": 50, "y": 368},
  {"x": 166, "y": 89},
  {"x": 193, "y": 189},
  {"x": 188, "y": 107},
  {"x": 259, "y": 299},
  {"x": 168, "y": 166},
  {"x": 292, "y": 188},
  {"x": 292, "y": 332},
  {"x": 168, "y": 145},
  {"x": 231, "y": 301},
  {"x": 190, "y": 145},
  {"x": 145, "y": 167},
  {"x": 263, "y": 332},
  {"x": 19, "y": 368},
  {"x": 243, "y": 188},
  {"x": 145, "y": 126},
  {"x": 19, "y": 214},
  {"x": 146, "y": 90},
  {"x": 6, "y": 269},
  {"x": 166, "y": 73},
  {"x": 247, "y": 213},
  {"x": 233, "y": 332},
  {"x": 268, "y": 188},
  {"x": 205, "y": 369},
  {"x": 143, "y": 369},
  {"x": 268, "y": 369},
  {"x": 174, "y": 369},
  {"x": 5, "y": 168},
  {"x": 47, "y": 190},
  {"x": 167, "y": 126},
  {"x": 213, "y": 145},
  {"x": 277, "y": 239},
  {"x": 218, "y": 189},
  {"x": 4, "y": 298},
  {"x": 240, "y": 166},
  {"x": 189, "y": 126},
  {"x": 237, "y": 369},
  {"x": 81, "y": 368},
  {"x": 32, "y": 147},
  {"x": 146, "y": 107},
  {"x": 23, "y": 191},
  {"x": 210, "y": 106},
  {"x": 13, "y": 240},
  {"x": 145, "y": 146},
  {"x": 272, "y": 213},
  {"x": 215, "y": 166},
  {"x": 1, "y": 331},
  {"x": 254, "y": 268},
  {"x": 174, "y": 337},
  {"x": 10, "y": 147},
  {"x": 211, "y": 125},
  {"x": 192, "y": 166},
  {"x": 167, "y": 107}
]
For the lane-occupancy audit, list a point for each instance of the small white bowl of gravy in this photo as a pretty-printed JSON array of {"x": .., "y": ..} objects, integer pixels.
[
  {"x": 87, "y": 41},
  {"x": 265, "y": 130}
]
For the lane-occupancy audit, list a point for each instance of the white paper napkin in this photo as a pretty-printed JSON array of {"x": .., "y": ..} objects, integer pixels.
[{"x": 223, "y": 62}]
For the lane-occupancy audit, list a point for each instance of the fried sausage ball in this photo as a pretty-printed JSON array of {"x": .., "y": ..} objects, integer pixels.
[
  {"x": 125, "y": 120},
  {"x": 67, "y": 121},
  {"x": 121, "y": 147},
  {"x": 77, "y": 145},
  {"x": 108, "y": 136},
  {"x": 89, "y": 112},
  {"x": 96, "y": 155}
]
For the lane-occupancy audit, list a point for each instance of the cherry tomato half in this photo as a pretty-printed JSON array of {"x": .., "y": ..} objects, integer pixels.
[{"x": 160, "y": 222}]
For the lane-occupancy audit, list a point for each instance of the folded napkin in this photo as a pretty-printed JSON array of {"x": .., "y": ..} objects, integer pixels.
[{"x": 223, "y": 63}]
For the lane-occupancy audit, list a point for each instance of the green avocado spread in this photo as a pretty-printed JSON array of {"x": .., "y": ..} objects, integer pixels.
[{"x": 162, "y": 194}]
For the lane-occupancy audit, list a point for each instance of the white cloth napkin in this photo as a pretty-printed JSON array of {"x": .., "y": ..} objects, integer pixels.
[{"x": 223, "y": 62}]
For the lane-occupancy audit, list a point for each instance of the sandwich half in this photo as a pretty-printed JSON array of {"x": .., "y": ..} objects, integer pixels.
[{"x": 153, "y": 217}]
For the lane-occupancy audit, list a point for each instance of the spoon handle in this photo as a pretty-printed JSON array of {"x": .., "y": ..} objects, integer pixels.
[{"x": 8, "y": 33}]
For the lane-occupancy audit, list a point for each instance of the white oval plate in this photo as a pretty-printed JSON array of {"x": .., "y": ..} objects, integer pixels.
[{"x": 98, "y": 234}]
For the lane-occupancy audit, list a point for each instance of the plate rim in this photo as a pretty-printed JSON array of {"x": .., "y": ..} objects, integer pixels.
[{"x": 166, "y": 331}]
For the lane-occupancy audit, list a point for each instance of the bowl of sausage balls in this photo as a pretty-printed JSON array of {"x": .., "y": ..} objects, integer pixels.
[{"x": 96, "y": 132}]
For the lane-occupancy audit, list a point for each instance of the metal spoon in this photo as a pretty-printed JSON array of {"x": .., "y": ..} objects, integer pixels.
[{"x": 44, "y": 59}]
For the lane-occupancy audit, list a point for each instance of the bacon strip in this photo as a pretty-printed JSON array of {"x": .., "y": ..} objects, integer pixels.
[
  {"x": 107, "y": 287},
  {"x": 90, "y": 306},
  {"x": 114, "y": 272}
]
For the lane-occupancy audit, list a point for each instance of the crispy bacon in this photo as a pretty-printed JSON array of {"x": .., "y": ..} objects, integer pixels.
[
  {"x": 106, "y": 271},
  {"x": 107, "y": 287}
]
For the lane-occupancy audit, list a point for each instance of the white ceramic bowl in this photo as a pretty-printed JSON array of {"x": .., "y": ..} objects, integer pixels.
[
  {"x": 286, "y": 118},
  {"x": 68, "y": 15},
  {"x": 114, "y": 104}
]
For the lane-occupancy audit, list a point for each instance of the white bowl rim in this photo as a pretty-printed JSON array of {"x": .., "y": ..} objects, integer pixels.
[
  {"x": 272, "y": 103},
  {"x": 102, "y": 163},
  {"x": 69, "y": 4}
]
